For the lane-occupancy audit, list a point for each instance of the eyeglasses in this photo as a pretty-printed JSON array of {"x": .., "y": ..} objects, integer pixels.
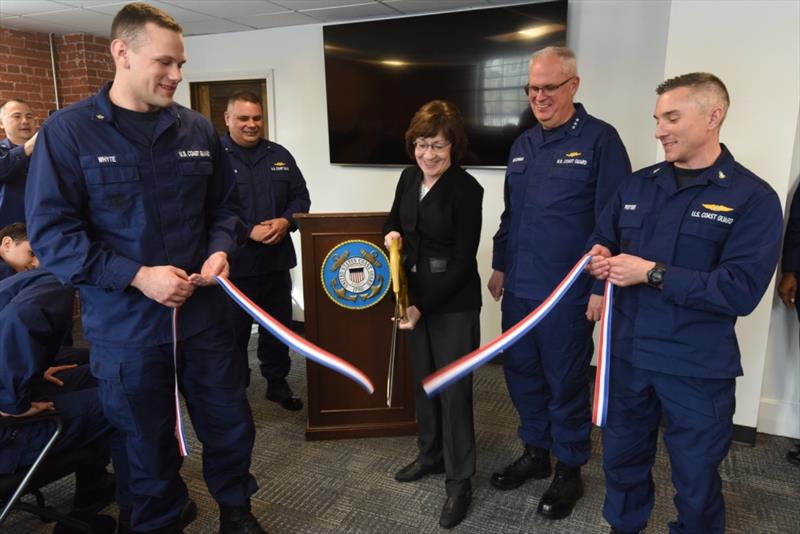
[
  {"x": 549, "y": 90},
  {"x": 437, "y": 148}
]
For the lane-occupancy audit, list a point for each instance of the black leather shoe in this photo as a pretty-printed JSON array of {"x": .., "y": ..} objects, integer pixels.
[
  {"x": 564, "y": 491},
  {"x": 238, "y": 520},
  {"x": 455, "y": 510},
  {"x": 794, "y": 455},
  {"x": 415, "y": 471},
  {"x": 280, "y": 392},
  {"x": 534, "y": 463}
]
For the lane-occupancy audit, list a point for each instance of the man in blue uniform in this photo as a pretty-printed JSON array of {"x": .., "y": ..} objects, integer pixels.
[
  {"x": 272, "y": 189},
  {"x": 35, "y": 317},
  {"x": 691, "y": 244},
  {"x": 16, "y": 119},
  {"x": 15, "y": 250},
  {"x": 560, "y": 174},
  {"x": 787, "y": 287},
  {"x": 132, "y": 199}
]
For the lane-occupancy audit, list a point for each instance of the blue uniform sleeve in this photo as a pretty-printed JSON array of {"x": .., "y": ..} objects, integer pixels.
[
  {"x": 745, "y": 268},
  {"x": 55, "y": 207},
  {"x": 791, "y": 243},
  {"x": 612, "y": 168},
  {"x": 11, "y": 161},
  {"x": 226, "y": 227},
  {"x": 606, "y": 231},
  {"x": 500, "y": 238},
  {"x": 299, "y": 199}
]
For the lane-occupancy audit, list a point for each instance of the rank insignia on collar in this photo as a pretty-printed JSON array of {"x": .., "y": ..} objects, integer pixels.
[{"x": 721, "y": 175}]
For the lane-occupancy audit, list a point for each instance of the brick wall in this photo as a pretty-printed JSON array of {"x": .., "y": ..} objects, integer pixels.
[{"x": 83, "y": 64}]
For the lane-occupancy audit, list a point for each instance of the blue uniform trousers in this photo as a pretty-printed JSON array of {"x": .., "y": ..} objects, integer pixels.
[
  {"x": 272, "y": 292},
  {"x": 136, "y": 390},
  {"x": 547, "y": 378},
  {"x": 84, "y": 424},
  {"x": 699, "y": 429}
]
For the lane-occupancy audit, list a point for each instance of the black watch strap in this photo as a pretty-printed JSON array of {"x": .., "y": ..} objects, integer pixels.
[{"x": 655, "y": 276}]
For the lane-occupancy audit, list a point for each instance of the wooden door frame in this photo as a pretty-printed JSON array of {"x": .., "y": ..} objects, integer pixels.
[{"x": 183, "y": 93}]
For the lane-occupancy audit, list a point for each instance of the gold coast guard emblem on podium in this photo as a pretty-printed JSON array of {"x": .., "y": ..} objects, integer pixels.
[{"x": 355, "y": 274}]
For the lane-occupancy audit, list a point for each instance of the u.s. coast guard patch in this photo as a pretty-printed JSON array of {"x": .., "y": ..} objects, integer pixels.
[{"x": 355, "y": 274}]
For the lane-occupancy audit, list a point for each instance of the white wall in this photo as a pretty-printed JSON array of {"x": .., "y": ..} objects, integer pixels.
[
  {"x": 625, "y": 48},
  {"x": 295, "y": 56},
  {"x": 754, "y": 47}
]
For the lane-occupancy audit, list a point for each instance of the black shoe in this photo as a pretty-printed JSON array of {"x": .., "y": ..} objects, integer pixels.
[
  {"x": 188, "y": 515},
  {"x": 534, "y": 463},
  {"x": 415, "y": 471},
  {"x": 615, "y": 530},
  {"x": 455, "y": 510},
  {"x": 564, "y": 491},
  {"x": 280, "y": 392},
  {"x": 794, "y": 455},
  {"x": 98, "y": 523},
  {"x": 238, "y": 520},
  {"x": 94, "y": 490}
]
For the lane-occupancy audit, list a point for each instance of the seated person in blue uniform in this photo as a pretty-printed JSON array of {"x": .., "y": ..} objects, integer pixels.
[
  {"x": 691, "y": 244},
  {"x": 272, "y": 189},
  {"x": 787, "y": 287},
  {"x": 15, "y": 250},
  {"x": 132, "y": 199},
  {"x": 35, "y": 314},
  {"x": 19, "y": 125}
]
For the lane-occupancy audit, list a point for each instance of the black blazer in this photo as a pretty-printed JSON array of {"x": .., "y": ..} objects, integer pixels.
[{"x": 440, "y": 237}]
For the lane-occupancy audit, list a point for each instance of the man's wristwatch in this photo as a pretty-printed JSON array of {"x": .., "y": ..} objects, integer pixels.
[{"x": 655, "y": 276}]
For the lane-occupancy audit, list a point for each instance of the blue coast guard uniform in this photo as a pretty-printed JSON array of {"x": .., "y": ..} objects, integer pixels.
[
  {"x": 100, "y": 206},
  {"x": 270, "y": 185},
  {"x": 35, "y": 315},
  {"x": 557, "y": 183},
  {"x": 13, "y": 171},
  {"x": 674, "y": 349}
]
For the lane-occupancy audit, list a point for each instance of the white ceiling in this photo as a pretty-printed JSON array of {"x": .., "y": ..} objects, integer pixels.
[{"x": 200, "y": 17}]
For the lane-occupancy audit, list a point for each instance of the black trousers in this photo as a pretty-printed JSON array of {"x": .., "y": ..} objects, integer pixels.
[
  {"x": 273, "y": 293},
  {"x": 445, "y": 422}
]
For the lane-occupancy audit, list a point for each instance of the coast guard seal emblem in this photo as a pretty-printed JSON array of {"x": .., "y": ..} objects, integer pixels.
[{"x": 355, "y": 274}]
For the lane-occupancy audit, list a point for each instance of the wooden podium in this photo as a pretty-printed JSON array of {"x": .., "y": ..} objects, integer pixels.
[{"x": 337, "y": 406}]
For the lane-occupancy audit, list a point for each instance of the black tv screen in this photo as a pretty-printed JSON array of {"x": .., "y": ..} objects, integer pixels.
[{"x": 379, "y": 73}]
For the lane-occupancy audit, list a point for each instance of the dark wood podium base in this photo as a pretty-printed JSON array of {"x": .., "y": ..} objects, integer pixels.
[{"x": 337, "y": 407}]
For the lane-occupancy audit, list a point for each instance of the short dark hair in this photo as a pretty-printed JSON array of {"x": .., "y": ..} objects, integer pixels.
[
  {"x": 131, "y": 19},
  {"x": 438, "y": 116},
  {"x": 10, "y": 100},
  {"x": 245, "y": 96},
  {"x": 704, "y": 81},
  {"x": 17, "y": 231}
]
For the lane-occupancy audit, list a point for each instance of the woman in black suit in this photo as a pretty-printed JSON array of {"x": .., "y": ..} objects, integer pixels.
[{"x": 436, "y": 216}]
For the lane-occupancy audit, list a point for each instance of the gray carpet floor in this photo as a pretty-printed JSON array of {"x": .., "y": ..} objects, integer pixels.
[{"x": 348, "y": 486}]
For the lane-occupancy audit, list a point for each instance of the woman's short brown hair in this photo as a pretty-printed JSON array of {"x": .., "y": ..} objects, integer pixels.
[{"x": 438, "y": 116}]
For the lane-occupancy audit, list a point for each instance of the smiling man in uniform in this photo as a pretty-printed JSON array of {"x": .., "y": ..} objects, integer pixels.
[{"x": 133, "y": 200}]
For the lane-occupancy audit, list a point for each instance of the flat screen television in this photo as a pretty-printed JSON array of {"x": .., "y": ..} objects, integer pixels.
[{"x": 379, "y": 73}]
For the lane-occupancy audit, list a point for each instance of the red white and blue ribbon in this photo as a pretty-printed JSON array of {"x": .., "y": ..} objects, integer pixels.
[
  {"x": 435, "y": 382},
  {"x": 600, "y": 407},
  {"x": 183, "y": 448},
  {"x": 292, "y": 340}
]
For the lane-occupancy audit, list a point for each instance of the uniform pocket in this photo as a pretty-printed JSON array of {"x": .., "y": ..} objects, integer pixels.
[
  {"x": 115, "y": 194},
  {"x": 630, "y": 231},
  {"x": 699, "y": 245},
  {"x": 192, "y": 183}
]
